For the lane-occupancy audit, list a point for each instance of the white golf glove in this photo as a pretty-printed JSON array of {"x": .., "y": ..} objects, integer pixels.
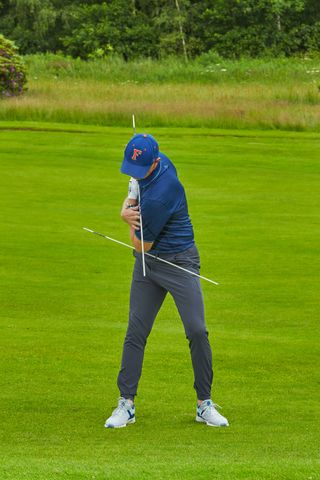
[{"x": 133, "y": 190}]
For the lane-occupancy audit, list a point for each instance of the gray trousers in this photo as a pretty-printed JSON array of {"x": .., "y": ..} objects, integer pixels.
[{"x": 146, "y": 297}]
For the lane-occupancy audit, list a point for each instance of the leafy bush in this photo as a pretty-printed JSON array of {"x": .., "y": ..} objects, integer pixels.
[
  {"x": 12, "y": 70},
  {"x": 209, "y": 58}
]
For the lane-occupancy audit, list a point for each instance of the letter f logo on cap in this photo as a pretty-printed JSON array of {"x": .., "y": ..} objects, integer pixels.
[
  {"x": 136, "y": 154},
  {"x": 140, "y": 153}
]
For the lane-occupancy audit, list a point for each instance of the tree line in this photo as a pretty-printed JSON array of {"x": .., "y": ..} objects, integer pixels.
[{"x": 160, "y": 28}]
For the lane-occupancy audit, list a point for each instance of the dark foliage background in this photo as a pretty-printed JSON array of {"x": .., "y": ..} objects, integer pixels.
[{"x": 157, "y": 28}]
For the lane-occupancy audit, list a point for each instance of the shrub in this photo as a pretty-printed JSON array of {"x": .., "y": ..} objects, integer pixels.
[
  {"x": 209, "y": 58},
  {"x": 12, "y": 69}
]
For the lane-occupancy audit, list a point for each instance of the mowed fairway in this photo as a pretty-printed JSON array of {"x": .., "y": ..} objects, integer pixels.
[{"x": 254, "y": 201}]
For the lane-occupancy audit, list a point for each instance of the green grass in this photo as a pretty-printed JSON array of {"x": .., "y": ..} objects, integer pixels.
[
  {"x": 206, "y": 69},
  {"x": 254, "y": 202},
  {"x": 208, "y": 92}
]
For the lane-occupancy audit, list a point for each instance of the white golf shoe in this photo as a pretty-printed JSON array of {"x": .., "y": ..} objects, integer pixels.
[
  {"x": 122, "y": 415},
  {"x": 207, "y": 413}
]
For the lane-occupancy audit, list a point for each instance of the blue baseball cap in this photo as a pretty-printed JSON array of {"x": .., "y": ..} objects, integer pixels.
[{"x": 140, "y": 153}]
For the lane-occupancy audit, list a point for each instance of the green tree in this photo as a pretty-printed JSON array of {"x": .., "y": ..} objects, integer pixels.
[
  {"x": 158, "y": 28},
  {"x": 30, "y": 23},
  {"x": 285, "y": 7},
  {"x": 114, "y": 27},
  {"x": 171, "y": 25}
]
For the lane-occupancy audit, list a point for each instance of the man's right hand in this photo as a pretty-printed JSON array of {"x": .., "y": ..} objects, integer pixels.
[{"x": 131, "y": 216}]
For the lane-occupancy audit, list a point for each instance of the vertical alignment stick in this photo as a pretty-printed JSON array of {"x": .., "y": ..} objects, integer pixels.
[
  {"x": 133, "y": 124},
  {"x": 142, "y": 241},
  {"x": 141, "y": 226}
]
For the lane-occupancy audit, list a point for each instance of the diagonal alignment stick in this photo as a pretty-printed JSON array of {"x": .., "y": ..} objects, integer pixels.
[{"x": 152, "y": 256}]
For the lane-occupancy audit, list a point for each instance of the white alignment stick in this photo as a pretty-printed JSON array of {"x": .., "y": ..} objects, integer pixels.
[
  {"x": 141, "y": 226},
  {"x": 142, "y": 244},
  {"x": 152, "y": 256},
  {"x": 133, "y": 124}
]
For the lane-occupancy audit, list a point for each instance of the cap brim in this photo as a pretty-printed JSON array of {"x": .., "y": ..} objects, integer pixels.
[{"x": 135, "y": 171}]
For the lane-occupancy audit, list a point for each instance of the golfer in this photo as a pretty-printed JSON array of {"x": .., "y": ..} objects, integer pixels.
[{"x": 167, "y": 233}]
